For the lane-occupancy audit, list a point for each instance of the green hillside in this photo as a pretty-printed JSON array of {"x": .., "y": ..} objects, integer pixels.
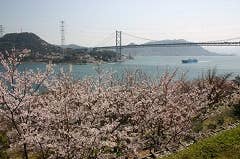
[{"x": 225, "y": 145}]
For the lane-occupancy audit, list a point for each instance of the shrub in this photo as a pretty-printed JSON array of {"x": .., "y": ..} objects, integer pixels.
[
  {"x": 3, "y": 145},
  {"x": 236, "y": 110},
  {"x": 212, "y": 126}
]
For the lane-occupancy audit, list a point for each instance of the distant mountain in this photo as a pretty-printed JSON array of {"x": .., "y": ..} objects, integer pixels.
[
  {"x": 132, "y": 44},
  {"x": 27, "y": 40},
  {"x": 169, "y": 51},
  {"x": 72, "y": 46}
]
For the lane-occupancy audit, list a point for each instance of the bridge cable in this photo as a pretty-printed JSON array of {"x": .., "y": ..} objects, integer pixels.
[
  {"x": 225, "y": 40},
  {"x": 105, "y": 40},
  {"x": 138, "y": 37}
]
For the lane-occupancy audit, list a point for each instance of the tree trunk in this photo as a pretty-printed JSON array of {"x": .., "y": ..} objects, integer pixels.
[{"x": 25, "y": 156}]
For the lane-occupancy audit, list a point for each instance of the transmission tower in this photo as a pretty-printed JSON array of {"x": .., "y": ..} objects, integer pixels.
[
  {"x": 119, "y": 44},
  {"x": 1, "y": 31},
  {"x": 62, "y": 30}
]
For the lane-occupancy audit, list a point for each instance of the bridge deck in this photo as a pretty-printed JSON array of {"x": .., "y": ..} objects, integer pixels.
[{"x": 175, "y": 45}]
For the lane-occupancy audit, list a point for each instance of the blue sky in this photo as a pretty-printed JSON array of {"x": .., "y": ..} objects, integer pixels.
[{"x": 88, "y": 22}]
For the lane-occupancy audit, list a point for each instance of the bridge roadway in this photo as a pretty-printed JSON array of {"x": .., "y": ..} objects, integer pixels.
[{"x": 175, "y": 45}]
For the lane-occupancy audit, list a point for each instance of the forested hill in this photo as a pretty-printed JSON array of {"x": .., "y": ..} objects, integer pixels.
[
  {"x": 43, "y": 51},
  {"x": 26, "y": 40}
]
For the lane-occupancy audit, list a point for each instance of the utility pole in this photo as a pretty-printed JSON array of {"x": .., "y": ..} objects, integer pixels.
[
  {"x": 118, "y": 45},
  {"x": 62, "y": 30},
  {"x": 1, "y": 31}
]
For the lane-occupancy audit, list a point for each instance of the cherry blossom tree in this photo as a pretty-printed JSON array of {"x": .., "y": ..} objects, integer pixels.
[
  {"x": 103, "y": 117},
  {"x": 17, "y": 91}
]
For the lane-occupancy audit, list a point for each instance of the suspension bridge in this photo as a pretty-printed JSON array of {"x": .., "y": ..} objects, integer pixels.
[{"x": 155, "y": 43}]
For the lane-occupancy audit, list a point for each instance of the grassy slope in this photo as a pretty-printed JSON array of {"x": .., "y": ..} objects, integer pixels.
[{"x": 225, "y": 145}]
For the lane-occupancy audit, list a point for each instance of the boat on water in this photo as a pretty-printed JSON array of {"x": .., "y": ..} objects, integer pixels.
[{"x": 190, "y": 61}]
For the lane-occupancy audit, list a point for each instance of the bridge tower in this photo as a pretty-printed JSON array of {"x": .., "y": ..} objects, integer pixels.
[{"x": 118, "y": 45}]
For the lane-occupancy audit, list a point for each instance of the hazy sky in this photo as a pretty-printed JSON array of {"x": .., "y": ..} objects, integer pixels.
[{"x": 88, "y": 22}]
